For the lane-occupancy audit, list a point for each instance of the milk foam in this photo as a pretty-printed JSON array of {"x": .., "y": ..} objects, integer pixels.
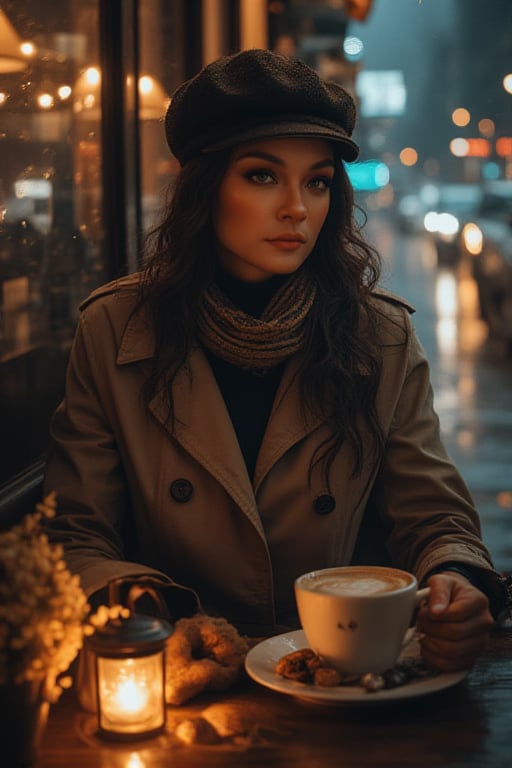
[{"x": 351, "y": 584}]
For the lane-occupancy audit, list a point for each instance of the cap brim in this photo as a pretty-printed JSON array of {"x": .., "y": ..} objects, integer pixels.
[{"x": 349, "y": 149}]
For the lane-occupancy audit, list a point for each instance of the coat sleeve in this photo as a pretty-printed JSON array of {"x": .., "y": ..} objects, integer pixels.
[
  {"x": 421, "y": 496},
  {"x": 84, "y": 467}
]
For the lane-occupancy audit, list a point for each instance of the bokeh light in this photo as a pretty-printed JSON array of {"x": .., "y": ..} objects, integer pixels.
[
  {"x": 408, "y": 156},
  {"x": 459, "y": 147},
  {"x": 353, "y": 48},
  {"x": 507, "y": 83},
  {"x": 461, "y": 117}
]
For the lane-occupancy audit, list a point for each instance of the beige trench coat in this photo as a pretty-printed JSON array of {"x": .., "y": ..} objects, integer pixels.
[{"x": 185, "y": 504}]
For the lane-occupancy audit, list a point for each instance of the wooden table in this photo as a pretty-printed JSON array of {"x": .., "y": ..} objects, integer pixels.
[{"x": 467, "y": 725}]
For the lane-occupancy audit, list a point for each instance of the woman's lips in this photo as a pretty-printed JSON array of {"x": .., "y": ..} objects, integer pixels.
[{"x": 287, "y": 243}]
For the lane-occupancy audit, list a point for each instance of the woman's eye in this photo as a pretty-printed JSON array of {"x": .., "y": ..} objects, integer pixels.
[
  {"x": 260, "y": 176},
  {"x": 321, "y": 183}
]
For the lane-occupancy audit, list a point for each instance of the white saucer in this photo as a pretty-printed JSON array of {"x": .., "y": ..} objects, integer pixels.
[{"x": 261, "y": 660}]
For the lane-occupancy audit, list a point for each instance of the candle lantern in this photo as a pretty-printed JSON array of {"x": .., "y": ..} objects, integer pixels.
[{"x": 129, "y": 656}]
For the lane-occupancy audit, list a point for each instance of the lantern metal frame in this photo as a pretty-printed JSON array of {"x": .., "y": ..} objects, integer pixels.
[{"x": 129, "y": 640}]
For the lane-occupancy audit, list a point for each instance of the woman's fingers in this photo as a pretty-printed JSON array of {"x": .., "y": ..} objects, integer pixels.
[
  {"x": 452, "y": 655},
  {"x": 455, "y": 623}
]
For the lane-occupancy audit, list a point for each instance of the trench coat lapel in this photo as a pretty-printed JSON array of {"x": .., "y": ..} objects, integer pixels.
[
  {"x": 287, "y": 424},
  {"x": 204, "y": 429}
]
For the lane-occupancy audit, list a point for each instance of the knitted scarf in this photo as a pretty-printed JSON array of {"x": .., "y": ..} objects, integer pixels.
[{"x": 257, "y": 343}]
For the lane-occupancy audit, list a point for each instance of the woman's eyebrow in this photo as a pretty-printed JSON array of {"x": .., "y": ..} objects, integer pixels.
[{"x": 259, "y": 155}]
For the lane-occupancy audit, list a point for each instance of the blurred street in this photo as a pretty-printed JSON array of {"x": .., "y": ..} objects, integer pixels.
[{"x": 471, "y": 375}]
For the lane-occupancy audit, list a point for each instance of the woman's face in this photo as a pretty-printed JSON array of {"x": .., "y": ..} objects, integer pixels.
[{"x": 272, "y": 203}]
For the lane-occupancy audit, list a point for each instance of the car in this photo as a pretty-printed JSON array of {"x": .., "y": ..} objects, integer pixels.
[
  {"x": 486, "y": 241},
  {"x": 455, "y": 204}
]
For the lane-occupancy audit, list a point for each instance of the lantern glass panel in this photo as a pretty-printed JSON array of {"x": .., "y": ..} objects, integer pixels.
[{"x": 131, "y": 694}]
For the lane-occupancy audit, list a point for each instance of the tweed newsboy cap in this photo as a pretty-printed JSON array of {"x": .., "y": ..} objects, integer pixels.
[{"x": 256, "y": 94}]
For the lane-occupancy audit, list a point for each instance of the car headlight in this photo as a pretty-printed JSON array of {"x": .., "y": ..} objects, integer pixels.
[
  {"x": 447, "y": 225},
  {"x": 430, "y": 221},
  {"x": 472, "y": 238}
]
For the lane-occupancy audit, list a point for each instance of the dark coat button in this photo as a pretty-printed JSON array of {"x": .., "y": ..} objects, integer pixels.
[
  {"x": 182, "y": 490},
  {"x": 324, "y": 504}
]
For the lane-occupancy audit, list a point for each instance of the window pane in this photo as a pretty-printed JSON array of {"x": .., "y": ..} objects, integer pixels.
[
  {"x": 161, "y": 71},
  {"x": 50, "y": 207}
]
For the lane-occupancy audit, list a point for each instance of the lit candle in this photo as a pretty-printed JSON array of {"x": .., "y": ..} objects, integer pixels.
[
  {"x": 130, "y": 676},
  {"x": 126, "y": 698}
]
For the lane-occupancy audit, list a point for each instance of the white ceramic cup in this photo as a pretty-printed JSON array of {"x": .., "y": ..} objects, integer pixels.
[{"x": 356, "y": 617}]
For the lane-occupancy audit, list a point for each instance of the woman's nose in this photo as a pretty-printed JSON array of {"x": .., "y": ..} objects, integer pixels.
[{"x": 293, "y": 206}]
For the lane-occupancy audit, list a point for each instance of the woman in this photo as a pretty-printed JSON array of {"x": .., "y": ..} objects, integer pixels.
[{"x": 251, "y": 406}]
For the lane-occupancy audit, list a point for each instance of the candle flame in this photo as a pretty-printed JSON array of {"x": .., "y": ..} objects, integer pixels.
[{"x": 130, "y": 697}]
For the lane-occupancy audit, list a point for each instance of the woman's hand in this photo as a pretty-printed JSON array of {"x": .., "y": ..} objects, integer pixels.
[{"x": 455, "y": 622}]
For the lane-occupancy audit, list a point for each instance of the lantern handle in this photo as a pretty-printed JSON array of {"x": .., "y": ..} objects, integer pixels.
[
  {"x": 137, "y": 591},
  {"x": 139, "y": 587}
]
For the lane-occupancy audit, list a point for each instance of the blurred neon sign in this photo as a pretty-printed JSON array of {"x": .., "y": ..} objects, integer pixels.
[{"x": 368, "y": 176}]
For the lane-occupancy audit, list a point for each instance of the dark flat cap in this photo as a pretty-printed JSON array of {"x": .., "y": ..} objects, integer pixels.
[{"x": 257, "y": 94}]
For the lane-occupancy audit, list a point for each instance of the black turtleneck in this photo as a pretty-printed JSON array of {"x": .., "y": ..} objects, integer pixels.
[{"x": 248, "y": 396}]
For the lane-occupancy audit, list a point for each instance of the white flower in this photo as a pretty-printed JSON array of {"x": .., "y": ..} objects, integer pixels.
[{"x": 43, "y": 609}]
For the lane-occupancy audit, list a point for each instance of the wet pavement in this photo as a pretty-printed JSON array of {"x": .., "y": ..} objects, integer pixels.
[{"x": 471, "y": 375}]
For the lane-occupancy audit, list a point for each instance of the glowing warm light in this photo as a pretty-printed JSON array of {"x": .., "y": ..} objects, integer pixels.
[
  {"x": 461, "y": 117},
  {"x": 478, "y": 148},
  {"x": 153, "y": 98},
  {"x": 92, "y": 76},
  {"x": 447, "y": 307},
  {"x": 28, "y": 49},
  {"x": 128, "y": 698},
  {"x": 135, "y": 761},
  {"x": 45, "y": 100},
  {"x": 447, "y": 303},
  {"x": 3, "y": 98},
  {"x": 504, "y": 146},
  {"x": 469, "y": 301},
  {"x": 459, "y": 147},
  {"x": 146, "y": 84},
  {"x": 486, "y": 127},
  {"x": 446, "y": 333},
  {"x": 131, "y": 694},
  {"x": 64, "y": 92},
  {"x": 472, "y": 238},
  {"x": 87, "y": 92},
  {"x": 408, "y": 156},
  {"x": 507, "y": 82}
]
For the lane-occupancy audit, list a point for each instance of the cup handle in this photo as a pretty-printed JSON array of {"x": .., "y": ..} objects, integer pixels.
[{"x": 422, "y": 594}]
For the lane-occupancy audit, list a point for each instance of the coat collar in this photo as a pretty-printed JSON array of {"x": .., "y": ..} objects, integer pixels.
[{"x": 203, "y": 426}]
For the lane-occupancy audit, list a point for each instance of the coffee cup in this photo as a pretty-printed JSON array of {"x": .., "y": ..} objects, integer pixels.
[{"x": 356, "y": 617}]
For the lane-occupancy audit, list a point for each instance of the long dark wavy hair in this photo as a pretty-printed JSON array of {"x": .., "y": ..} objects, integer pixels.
[{"x": 341, "y": 360}]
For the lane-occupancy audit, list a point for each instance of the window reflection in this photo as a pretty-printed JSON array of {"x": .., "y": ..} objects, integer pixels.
[{"x": 50, "y": 209}]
